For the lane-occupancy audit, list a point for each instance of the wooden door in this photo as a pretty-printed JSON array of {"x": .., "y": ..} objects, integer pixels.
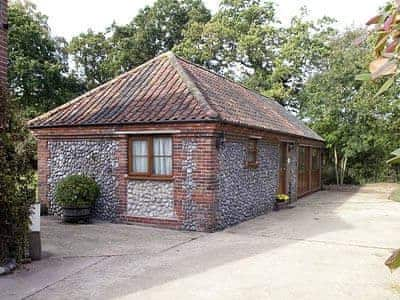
[
  {"x": 282, "y": 189},
  {"x": 315, "y": 169},
  {"x": 303, "y": 173}
]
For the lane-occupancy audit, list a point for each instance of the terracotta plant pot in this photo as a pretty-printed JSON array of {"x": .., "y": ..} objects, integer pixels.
[{"x": 76, "y": 215}]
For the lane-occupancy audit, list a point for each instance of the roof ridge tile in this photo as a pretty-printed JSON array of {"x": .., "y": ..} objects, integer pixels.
[{"x": 196, "y": 93}]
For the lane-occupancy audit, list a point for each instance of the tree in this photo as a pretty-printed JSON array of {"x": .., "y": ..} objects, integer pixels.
[
  {"x": 246, "y": 42},
  {"x": 91, "y": 56},
  {"x": 98, "y": 57},
  {"x": 38, "y": 71},
  {"x": 357, "y": 127},
  {"x": 156, "y": 29}
]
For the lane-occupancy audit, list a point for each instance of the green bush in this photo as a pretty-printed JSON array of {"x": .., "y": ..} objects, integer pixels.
[
  {"x": 76, "y": 191},
  {"x": 17, "y": 188}
]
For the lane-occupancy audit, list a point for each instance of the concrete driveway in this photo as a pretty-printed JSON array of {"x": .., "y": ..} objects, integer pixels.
[{"x": 331, "y": 246}]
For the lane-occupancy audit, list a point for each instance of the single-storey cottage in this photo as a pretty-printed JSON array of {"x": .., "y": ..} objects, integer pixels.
[{"x": 173, "y": 144}]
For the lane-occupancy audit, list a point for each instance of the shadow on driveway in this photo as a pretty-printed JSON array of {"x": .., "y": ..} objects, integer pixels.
[{"x": 327, "y": 243}]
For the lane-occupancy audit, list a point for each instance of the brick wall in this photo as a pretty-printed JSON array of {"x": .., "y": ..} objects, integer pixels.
[
  {"x": 195, "y": 180},
  {"x": 3, "y": 41},
  {"x": 43, "y": 167},
  {"x": 3, "y": 55}
]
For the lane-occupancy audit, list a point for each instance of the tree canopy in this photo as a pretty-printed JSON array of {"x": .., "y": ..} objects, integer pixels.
[
  {"x": 305, "y": 65},
  {"x": 245, "y": 41},
  {"x": 357, "y": 126},
  {"x": 38, "y": 72},
  {"x": 98, "y": 57}
]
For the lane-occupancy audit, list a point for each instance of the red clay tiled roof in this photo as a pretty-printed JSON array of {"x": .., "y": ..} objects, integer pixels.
[{"x": 171, "y": 89}]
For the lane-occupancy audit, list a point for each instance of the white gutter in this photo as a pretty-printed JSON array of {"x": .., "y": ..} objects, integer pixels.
[{"x": 148, "y": 132}]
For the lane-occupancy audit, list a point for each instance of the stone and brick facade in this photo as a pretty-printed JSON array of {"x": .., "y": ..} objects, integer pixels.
[
  {"x": 3, "y": 41},
  {"x": 244, "y": 192},
  {"x": 211, "y": 186}
]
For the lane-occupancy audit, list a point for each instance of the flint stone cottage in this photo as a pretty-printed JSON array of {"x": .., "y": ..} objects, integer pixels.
[{"x": 174, "y": 145}]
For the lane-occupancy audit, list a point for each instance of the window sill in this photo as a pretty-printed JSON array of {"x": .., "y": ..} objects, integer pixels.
[
  {"x": 150, "y": 178},
  {"x": 252, "y": 165}
]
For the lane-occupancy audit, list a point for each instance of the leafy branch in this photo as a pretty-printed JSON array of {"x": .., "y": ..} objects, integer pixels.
[{"x": 385, "y": 27}]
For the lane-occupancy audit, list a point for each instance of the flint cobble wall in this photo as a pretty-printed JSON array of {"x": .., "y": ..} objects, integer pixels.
[
  {"x": 242, "y": 192},
  {"x": 148, "y": 198},
  {"x": 94, "y": 158}
]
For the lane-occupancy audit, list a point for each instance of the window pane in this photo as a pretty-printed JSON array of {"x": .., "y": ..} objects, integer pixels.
[
  {"x": 162, "y": 165},
  {"x": 140, "y": 156},
  {"x": 251, "y": 156},
  {"x": 252, "y": 151},
  {"x": 162, "y": 146},
  {"x": 140, "y": 164},
  {"x": 139, "y": 148}
]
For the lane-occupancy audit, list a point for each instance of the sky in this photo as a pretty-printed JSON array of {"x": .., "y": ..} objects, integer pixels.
[{"x": 68, "y": 18}]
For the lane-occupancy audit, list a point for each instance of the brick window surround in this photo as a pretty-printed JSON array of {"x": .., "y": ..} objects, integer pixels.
[
  {"x": 150, "y": 156},
  {"x": 252, "y": 153}
]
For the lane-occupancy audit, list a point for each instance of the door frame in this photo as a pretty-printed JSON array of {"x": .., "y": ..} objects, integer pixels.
[{"x": 283, "y": 146}]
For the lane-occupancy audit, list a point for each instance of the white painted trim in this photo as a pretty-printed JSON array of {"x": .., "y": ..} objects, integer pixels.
[
  {"x": 256, "y": 137},
  {"x": 148, "y": 132}
]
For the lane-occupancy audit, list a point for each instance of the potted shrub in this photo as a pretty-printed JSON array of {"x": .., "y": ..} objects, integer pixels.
[
  {"x": 282, "y": 201},
  {"x": 76, "y": 194}
]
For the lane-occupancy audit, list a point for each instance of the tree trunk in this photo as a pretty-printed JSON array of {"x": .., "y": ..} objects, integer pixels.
[
  {"x": 336, "y": 165},
  {"x": 340, "y": 166},
  {"x": 343, "y": 169}
]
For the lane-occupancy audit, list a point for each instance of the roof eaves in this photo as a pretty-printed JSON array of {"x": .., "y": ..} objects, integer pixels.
[
  {"x": 199, "y": 120},
  {"x": 273, "y": 130}
]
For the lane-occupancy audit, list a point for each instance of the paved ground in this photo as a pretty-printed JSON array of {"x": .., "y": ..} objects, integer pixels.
[{"x": 331, "y": 246}]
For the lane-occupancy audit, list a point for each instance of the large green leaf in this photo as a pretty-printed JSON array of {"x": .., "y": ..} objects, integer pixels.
[
  {"x": 385, "y": 86},
  {"x": 393, "y": 262},
  {"x": 363, "y": 77}
]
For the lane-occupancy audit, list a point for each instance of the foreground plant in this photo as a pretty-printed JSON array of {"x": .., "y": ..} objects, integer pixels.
[
  {"x": 393, "y": 262},
  {"x": 386, "y": 27},
  {"x": 282, "y": 197},
  {"x": 16, "y": 184}
]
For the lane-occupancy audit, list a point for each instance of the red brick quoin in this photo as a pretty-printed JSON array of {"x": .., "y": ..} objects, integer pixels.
[{"x": 3, "y": 41}]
